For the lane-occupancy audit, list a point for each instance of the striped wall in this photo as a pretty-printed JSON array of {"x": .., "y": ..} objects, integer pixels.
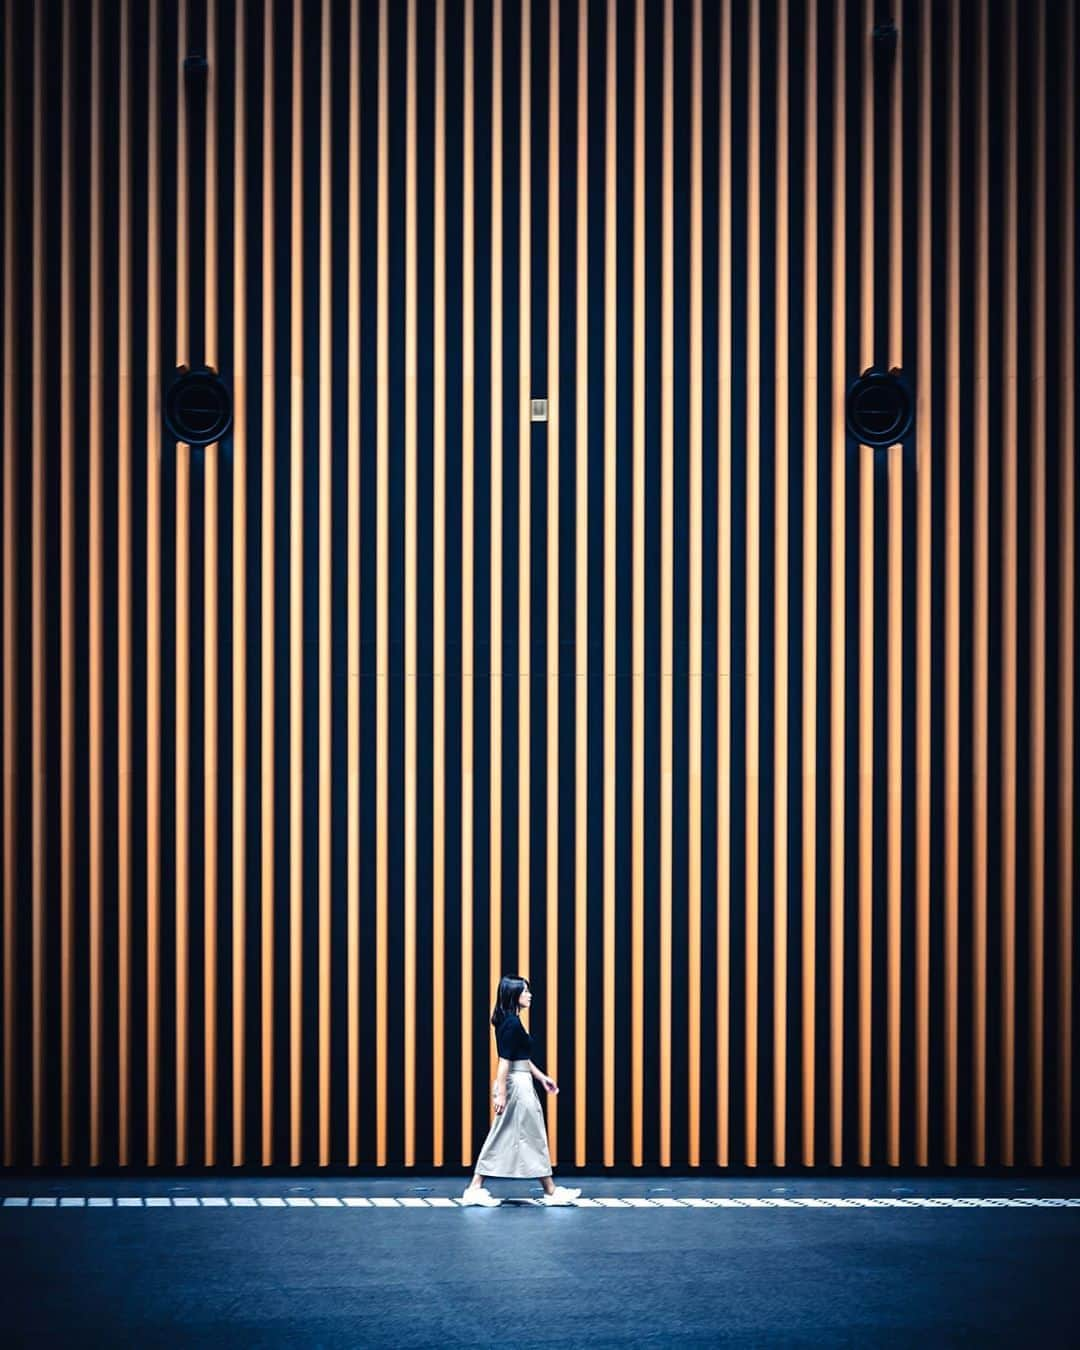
[{"x": 751, "y": 746}]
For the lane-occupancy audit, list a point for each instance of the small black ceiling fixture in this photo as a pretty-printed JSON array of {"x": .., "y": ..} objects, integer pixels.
[
  {"x": 880, "y": 407},
  {"x": 198, "y": 406}
]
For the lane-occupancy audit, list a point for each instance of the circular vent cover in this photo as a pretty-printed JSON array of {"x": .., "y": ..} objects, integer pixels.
[
  {"x": 880, "y": 408},
  {"x": 198, "y": 406}
]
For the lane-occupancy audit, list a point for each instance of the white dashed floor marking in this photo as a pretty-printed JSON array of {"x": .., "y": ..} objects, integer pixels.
[{"x": 585, "y": 1202}]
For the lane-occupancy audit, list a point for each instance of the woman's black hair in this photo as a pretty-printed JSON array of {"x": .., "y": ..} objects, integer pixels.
[{"x": 511, "y": 988}]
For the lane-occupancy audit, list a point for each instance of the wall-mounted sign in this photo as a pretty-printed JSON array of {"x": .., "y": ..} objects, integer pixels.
[
  {"x": 198, "y": 406},
  {"x": 880, "y": 408}
]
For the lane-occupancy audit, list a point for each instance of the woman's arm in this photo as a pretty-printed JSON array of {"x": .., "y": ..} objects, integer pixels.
[
  {"x": 538, "y": 1074},
  {"x": 500, "y": 1085}
]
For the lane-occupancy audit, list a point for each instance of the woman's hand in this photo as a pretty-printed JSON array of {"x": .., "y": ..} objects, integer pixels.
[
  {"x": 550, "y": 1084},
  {"x": 500, "y": 1101}
]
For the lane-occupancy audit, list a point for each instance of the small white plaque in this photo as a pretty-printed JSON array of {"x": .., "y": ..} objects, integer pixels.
[{"x": 538, "y": 409}]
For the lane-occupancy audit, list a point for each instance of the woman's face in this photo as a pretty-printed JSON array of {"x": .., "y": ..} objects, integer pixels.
[{"x": 526, "y": 998}]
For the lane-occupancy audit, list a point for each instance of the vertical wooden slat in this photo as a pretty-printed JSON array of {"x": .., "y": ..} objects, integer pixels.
[
  {"x": 124, "y": 709},
  {"x": 296, "y": 592},
  {"x": 610, "y": 616},
  {"x": 382, "y": 553},
  {"x": 211, "y": 459},
  {"x": 524, "y": 389},
  {"x": 809, "y": 590},
  {"x": 326, "y": 443},
  {"x": 95, "y": 529},
  {"x": 182, "y": 728},
  {"x": 780, "y": 601},
  {"x": 496, "y": 682},
  {"x": 353, "y": 601},
  {"x": 952, "y": 593},
  {"x": 582, "y": 1067},
  {"x": 1066, "y": 491},
  {"x": 895, "y": 791},
  {"x": 468, "y": 425},
  {"x": 266, "y": 656},
  {"x": 980, "y": 602},
  {"x": 410, "y": 410},
  {"x": 753, "y": 566},
  {"x": 667, "y": 570},
  {"x": 637, "y": 932},
  {"x": 239, "y": 598},
  {"x": 552, "y": 862},
  {"x": 67, "y": 613},
  {"x": 866, "y": 597},
  {"x": 153, "y": 597},
  {"x": 836, "y": 601},
  {"x": 1009, "y": 600},
  {"x": 10, "y": 784},
  {"x": 923, "y": 489},
  {"x": 1037, "y": 607},
  {"x": 693, "y": 918},
  {"x": 438, "y": 775},
  {"x": 723, "y": 605}
]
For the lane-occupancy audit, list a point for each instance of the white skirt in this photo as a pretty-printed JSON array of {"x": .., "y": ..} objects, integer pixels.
[{"x": 516, "y": 1145}]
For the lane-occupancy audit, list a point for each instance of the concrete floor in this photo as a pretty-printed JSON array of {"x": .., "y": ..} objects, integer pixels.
[{"x": 188, "y": 1273}]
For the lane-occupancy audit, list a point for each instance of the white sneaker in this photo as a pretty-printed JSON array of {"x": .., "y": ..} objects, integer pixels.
[
  {"x": 479, "y": 1195},
  {"x": 561, "y": 1195}
]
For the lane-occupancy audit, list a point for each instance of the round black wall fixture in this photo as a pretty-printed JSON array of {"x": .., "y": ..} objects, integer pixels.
[
  {"x": 880, "y": 408},
  {"x": 198, "y": 406}
]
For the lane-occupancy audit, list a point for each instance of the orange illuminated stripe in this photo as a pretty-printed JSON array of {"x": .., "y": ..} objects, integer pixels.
[
  {"x": 753, "y": 564},
  {"x": 10, "y": 784},
  {"x": 780, "y": 611},
  {"x": 837, "y": 610},
  {"x": 211, "y": 459},
  {"x": 239, "y": 601},
  {"x": 952, "y": 596},
  {"x": 266, "y": 656},
  {"x": 1009, "y": 603},
  {"x": 553, "y": 580},
  {"x": 809, "y": 595},
  {"x": 923, "y": 490},
  {"x": 525, "y": 475},
  {"x": 67, "y": 615},
  {"x": 409, "y": 917},
  {"x": 153, "y": 603},
  {"x": 468, "y": 424},
  {"x": 95, "y": 512},
  {"x": 382, "y": 564},
  {"x": 438, "y": 777},
  {"x": 124, "y": 706},
  {"x": 693, "y": 916},
  {"x": 723, "y": 608},
  {"x": 296, "y": 597},
  {"x": 980, "y": 605},
  {"x": 353, "y": 846},
  {"x": 866, "y": 599},
  {"x": 637, "y": 934},
  {"x": 1037, "y": 610},
  {"x": 496, "y": 682},
  {"x": 582, "y": 1067},
  {"x": 895, "y": 796},
  {"x": 182, "y": 632},
  {"x": 325, "y": 620},
  {"x": 1066, "y": 595},
  {"x": 610, "y": 470},
  {"x": 666, "y": 586}
]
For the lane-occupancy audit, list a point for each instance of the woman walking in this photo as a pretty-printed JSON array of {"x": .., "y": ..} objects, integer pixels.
[{"x": 516, "y": 1145}]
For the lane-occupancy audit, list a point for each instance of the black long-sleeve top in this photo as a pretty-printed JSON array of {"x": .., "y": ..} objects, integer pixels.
[{"x": 512, "y": 1040}]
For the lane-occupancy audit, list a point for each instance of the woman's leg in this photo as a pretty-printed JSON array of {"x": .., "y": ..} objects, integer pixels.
[
  {"x": 476, "y": 1181},
  {"x": 547, "y": 1184}
]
